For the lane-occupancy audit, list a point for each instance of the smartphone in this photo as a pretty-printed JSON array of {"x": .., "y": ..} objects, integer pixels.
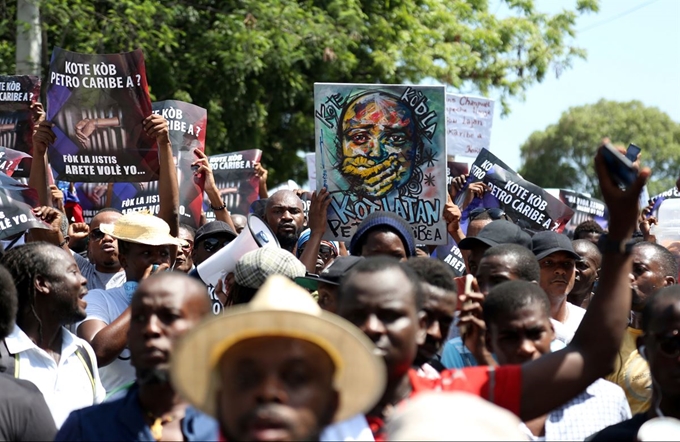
[
  {"x": 633, "y": 152},
  {"x": 620, "y": 168}
]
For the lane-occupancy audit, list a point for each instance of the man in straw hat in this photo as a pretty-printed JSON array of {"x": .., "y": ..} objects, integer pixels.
[
  {"x": 146, "y": 244},
  {"x": 164, "y": 307},
  {"x": 278, "y": 368}
]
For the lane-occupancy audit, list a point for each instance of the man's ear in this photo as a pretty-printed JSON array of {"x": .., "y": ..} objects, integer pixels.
[
  {"x": 422, "y": 328},
  {"x": 669, "y": 280},
  {"x": 122, "y": 260},
  {"x": 42, "y": 285}
]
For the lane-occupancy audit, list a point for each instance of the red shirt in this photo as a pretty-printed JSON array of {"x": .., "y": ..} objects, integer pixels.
[{"x": 501, "y": 386}]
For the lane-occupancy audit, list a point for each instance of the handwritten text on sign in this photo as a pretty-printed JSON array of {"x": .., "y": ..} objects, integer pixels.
[{"x": 468, "y": 124}]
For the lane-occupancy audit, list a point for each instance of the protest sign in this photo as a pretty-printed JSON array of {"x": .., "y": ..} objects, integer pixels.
[
  {"x": 236, "y": 180},
  {"x": 468, "y": 124},
  {"x": 310, "y": 159},
  {"x": 14, "y": 162},
  {"x": 17, "y": 94},
  {"x": 382, "y": 147},
  {"x": 97, "y": 104},
  {"x": 584, "y": 206},
  {"x": 451, "y": 255},
  {"x": 16, "y": 208},
  {"x": 528, "y": 205},
  {"x": 187, "y": 124}
]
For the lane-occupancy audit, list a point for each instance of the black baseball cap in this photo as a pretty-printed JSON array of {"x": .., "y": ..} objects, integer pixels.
[
  {"x": 549, "y": 242},
  {"x": 331, "y": 274},
  {"x": 495, "y": 233},
  {"x": 214, "y": 228}
]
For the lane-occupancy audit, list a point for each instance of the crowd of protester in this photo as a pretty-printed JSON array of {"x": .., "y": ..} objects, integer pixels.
[{"x": 106, "y": 336}]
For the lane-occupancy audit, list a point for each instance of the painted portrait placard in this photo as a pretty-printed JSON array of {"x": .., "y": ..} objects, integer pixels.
[{"x": 382, "y": 147}]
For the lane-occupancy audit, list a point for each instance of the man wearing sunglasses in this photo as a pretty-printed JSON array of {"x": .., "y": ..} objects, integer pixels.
[{"x": 659, "y": 345}]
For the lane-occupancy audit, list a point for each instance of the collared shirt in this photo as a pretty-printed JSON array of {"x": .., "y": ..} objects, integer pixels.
[
  {"x": 123, "y": 420},
  {"x": 600, "y": 405},
  {"x": 631, "y": 372},
  {"x": 106, "y": 306},
  {"x": 66, "y": 385}
]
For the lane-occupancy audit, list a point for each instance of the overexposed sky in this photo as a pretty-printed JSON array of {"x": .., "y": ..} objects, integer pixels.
[{"x": 635, "y": 56}]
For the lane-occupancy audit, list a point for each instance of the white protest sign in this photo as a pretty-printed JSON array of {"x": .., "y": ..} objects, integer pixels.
[
  {"x": 468, "y": 124},
  {"x": 311, "y": 170}
]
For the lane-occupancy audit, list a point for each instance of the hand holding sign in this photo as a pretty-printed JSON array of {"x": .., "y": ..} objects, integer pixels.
[
  {"x": 157, "y": 127},
  {"x": 38, "y": 113},
  {"x": 43, "y": 137}
]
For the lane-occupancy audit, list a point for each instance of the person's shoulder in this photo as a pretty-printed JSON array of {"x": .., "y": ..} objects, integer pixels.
[
  {"x": 13, "y": 388},
  {"x": 605, "y": 387},
  {"x": 101, "y": 413},
  {"x": 623, "y": 431}
]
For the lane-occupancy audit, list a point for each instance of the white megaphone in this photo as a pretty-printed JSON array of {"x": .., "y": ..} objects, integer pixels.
[{"x": 256, "y": 234}]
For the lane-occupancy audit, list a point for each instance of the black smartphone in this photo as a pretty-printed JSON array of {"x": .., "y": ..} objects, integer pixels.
[
  {"x": 620, "y": 168},
  {"x": 632, "y": 152}
]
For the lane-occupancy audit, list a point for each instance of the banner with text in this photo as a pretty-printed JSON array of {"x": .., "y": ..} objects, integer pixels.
[
  {"x": 584, "y": 206},
  {"x": 468, "y": 124},
  {"x": 16, "y": 208},
  {"x": 236, "y": 180},
  {"x": 528, "y": 205},
  {"x": 97, "y": 104},
  {"x": 17, "y": 94},
  {"x": 310, "y": 159},
  {"x": 382, "y": 147}
]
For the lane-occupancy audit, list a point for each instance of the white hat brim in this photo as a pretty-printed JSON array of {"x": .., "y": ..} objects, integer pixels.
[
  {"x": 360, "y": 381},
  {"x": 155, "y": 240}
]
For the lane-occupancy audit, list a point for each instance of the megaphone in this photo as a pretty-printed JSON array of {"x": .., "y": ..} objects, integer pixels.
[{"x": 256, "y": 234}]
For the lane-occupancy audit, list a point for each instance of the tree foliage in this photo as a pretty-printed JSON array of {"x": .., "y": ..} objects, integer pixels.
[
  {"x": 253, "y": 63},
  {"x": 562, "y": 155}
]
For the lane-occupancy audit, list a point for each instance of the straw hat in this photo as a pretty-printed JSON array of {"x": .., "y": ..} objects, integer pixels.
[
  {"x": 280, "y": 309},
  {"x": 141, "y": 228}
]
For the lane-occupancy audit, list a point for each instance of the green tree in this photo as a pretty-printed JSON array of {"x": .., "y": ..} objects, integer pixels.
[
  {"x": 562, "y": 155},
  {"x": 253, "y": 63}
]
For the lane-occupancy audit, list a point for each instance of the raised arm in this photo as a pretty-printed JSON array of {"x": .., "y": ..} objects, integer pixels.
[
  {"x": 263, "y": 174},
  {"x": 554, "y": 379},
  {"x": 317, "y": 225},
  {"x": 37, "y": 179},
  {"x": 216, "y": 202},
  {"x": 168, "y": 189}
]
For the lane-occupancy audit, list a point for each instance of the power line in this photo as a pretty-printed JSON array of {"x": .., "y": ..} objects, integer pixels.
[{"x": 616, "y": 17}]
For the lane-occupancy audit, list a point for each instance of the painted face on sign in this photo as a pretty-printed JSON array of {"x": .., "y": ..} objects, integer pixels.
[{"x": 379, "y": 143}]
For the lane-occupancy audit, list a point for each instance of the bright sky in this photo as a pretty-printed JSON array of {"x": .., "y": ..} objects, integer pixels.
[{"x": 633, "y": 54}]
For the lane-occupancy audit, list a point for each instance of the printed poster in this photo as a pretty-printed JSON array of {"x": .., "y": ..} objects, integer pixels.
[
  {"x": 16, "y": 208},
  {"x": 528, "y": 205},
  {"x": 310, "y": 159},
  {"x": 468, "y": 124},
  {"x": 17, "y": 94},
  {"x": 236, "y": 180},
  {"x": 97, "y": 104},
  {"x": 584, "y": 206},
  {"x": 187, "y": 124},
  {"x": 382, "y": 147}
]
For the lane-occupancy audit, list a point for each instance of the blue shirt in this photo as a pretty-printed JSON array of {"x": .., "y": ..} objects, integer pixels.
[
  {"x": 457, "y": 355},
  {"x": 123, "y": 420}
]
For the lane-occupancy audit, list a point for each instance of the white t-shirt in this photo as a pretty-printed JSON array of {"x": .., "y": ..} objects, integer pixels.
[
  {"x": 564, "y": 331},
  {"x": 67, "y": 385},
  {"x": 106, "y": 306},
  {"x": 97, "y": 279},
  {"x": 353, "y": 429}
]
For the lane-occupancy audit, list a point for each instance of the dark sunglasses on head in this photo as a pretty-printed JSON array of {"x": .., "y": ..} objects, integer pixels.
[
  {"x": 669, "y": 343},
  {"x": 96, "y": 234},
  {"x": 494, "y": 213},
  {"x": 211, "y": 244}
]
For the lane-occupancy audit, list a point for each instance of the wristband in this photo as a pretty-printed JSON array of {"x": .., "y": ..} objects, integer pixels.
[
  {"x": 222, "y": 207},
  {"x": 622, "y": 247}
]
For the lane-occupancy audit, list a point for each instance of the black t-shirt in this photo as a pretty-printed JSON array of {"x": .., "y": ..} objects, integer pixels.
[
  {"x": 24, "y": 415},
  {"x": 623, "y": 431}
]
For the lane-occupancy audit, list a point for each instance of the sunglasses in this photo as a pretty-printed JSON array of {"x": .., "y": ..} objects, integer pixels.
[
  {"x": 669, "y": 343},
  {"x": 212, "y": 244},
  {"x": 495, "y": 213},
  {"x": 96, "y": 234}
]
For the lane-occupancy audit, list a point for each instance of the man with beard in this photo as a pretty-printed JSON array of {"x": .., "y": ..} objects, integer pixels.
[
  {"x": 654, "y": 267},
  {"x": 41, "y": 350},
  {"x": 284, "y": 214},
  {"x": 164, "y": 307},
  {"x": 279, "y": 368},
  {"x": 587, "y": 272}
]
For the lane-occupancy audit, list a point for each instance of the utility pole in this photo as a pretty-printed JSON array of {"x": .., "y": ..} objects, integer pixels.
[{"x": 29, "y": 37}]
